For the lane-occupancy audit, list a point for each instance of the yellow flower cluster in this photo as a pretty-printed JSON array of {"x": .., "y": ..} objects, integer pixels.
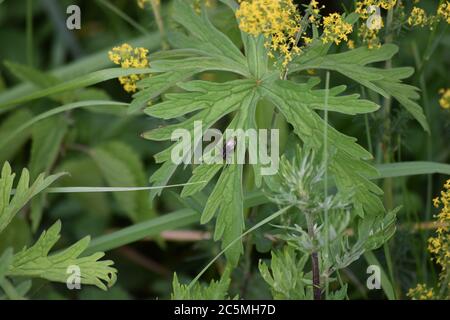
[
  {"x": 418, "y": 17},
  {"x": 277, "y": 20},
  {"x": 128, "y": 57},
  {"x": 439, "y": 245},
  {"x": 421, "y": 292},
  {"x": 335, "y": 29},
  {"x": 443, "y": 11},
  {"x": 444, "y": 101}
]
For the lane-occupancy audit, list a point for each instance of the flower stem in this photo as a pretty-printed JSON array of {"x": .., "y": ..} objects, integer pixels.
[{"x": 317, "y": 293}]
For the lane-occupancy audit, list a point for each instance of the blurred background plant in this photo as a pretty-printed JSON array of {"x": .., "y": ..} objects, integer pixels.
[{"x": 100, "y": 145}]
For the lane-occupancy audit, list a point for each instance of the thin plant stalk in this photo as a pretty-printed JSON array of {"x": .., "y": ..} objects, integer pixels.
[
  {"x": 325, "y": 159},
  {"x": 314, "y": 260},
  {"x": 386, "y": 142}
]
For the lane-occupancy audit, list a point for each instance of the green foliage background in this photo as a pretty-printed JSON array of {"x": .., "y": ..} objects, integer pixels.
[{"x": 100, "y": 144}]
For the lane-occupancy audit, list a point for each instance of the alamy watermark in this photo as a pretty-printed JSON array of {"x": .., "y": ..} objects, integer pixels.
[
  {"x": 374, "y": 280},
  {"x": 73, "y": 21},
  {"x": 230, "y": 148},
  {"x": 73, "y": 280},
  {"x": 375, "y": 21}
]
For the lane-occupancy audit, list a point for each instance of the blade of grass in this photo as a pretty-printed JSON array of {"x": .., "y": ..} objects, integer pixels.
[
  {"x": 412, "y": 168},
  {"x": 114, "y": 189},
  {"x": 82, "y": 66},
  {"x": 142, "y": 230},
  {"x": 79, "y": 82},
  {"x": 154, "y": 227},
  {"x": 57, "y": 110},
  {"x": 385, "y": 282}
]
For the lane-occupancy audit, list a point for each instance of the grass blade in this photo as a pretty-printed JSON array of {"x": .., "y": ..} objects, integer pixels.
[
  {"x": 57, "y": 110},
  {"x": 85, "y": 65},
  {"x": 403, "y": 169},
  {"x": 385, "y": 282},
  {"x": 77, "y": 83},
  {"x": 142, "y": 230},
  {"x": 114, "y": 189}
]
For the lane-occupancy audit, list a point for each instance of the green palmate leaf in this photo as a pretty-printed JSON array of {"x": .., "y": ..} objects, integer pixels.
[
  {"x": 201, "y": 173},
  {"x": 227, "y": 200},
  {"x": 155, "y": 85},
  {"x": 36, "y": 261},
  {"x": 205, "y": 48},
  {"x": 204, "y": 37},
  {"x": 286, "y": 277},
  {"x": 305, "y": 95},
  {"x": 216, "y": 290},
  {"x": 23, "y": 193},
  {"x": 346, "y": 161},
  {"x": 214, "y": 101},
  {"x": 121, "y": 167},
  {"x": 353, "y": 64}
]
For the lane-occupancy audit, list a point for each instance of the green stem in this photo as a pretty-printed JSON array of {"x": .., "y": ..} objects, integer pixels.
[
  {"x": 325, "y": 147},
  {"x": 386, "y": 143},
  {"x": 423, "y": 87},
  {"x": 367, "y": 125},
  {"x": 317, "y": 292}
]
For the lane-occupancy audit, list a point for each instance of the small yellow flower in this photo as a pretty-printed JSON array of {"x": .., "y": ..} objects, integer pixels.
[
  {"x": 128, "y": 57},
  {"x": 444, "y": 101},
  {"x": 436, "y": 202},
  {"x": 447, "y": 184},
  {"x": 351, "y": 44}
]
